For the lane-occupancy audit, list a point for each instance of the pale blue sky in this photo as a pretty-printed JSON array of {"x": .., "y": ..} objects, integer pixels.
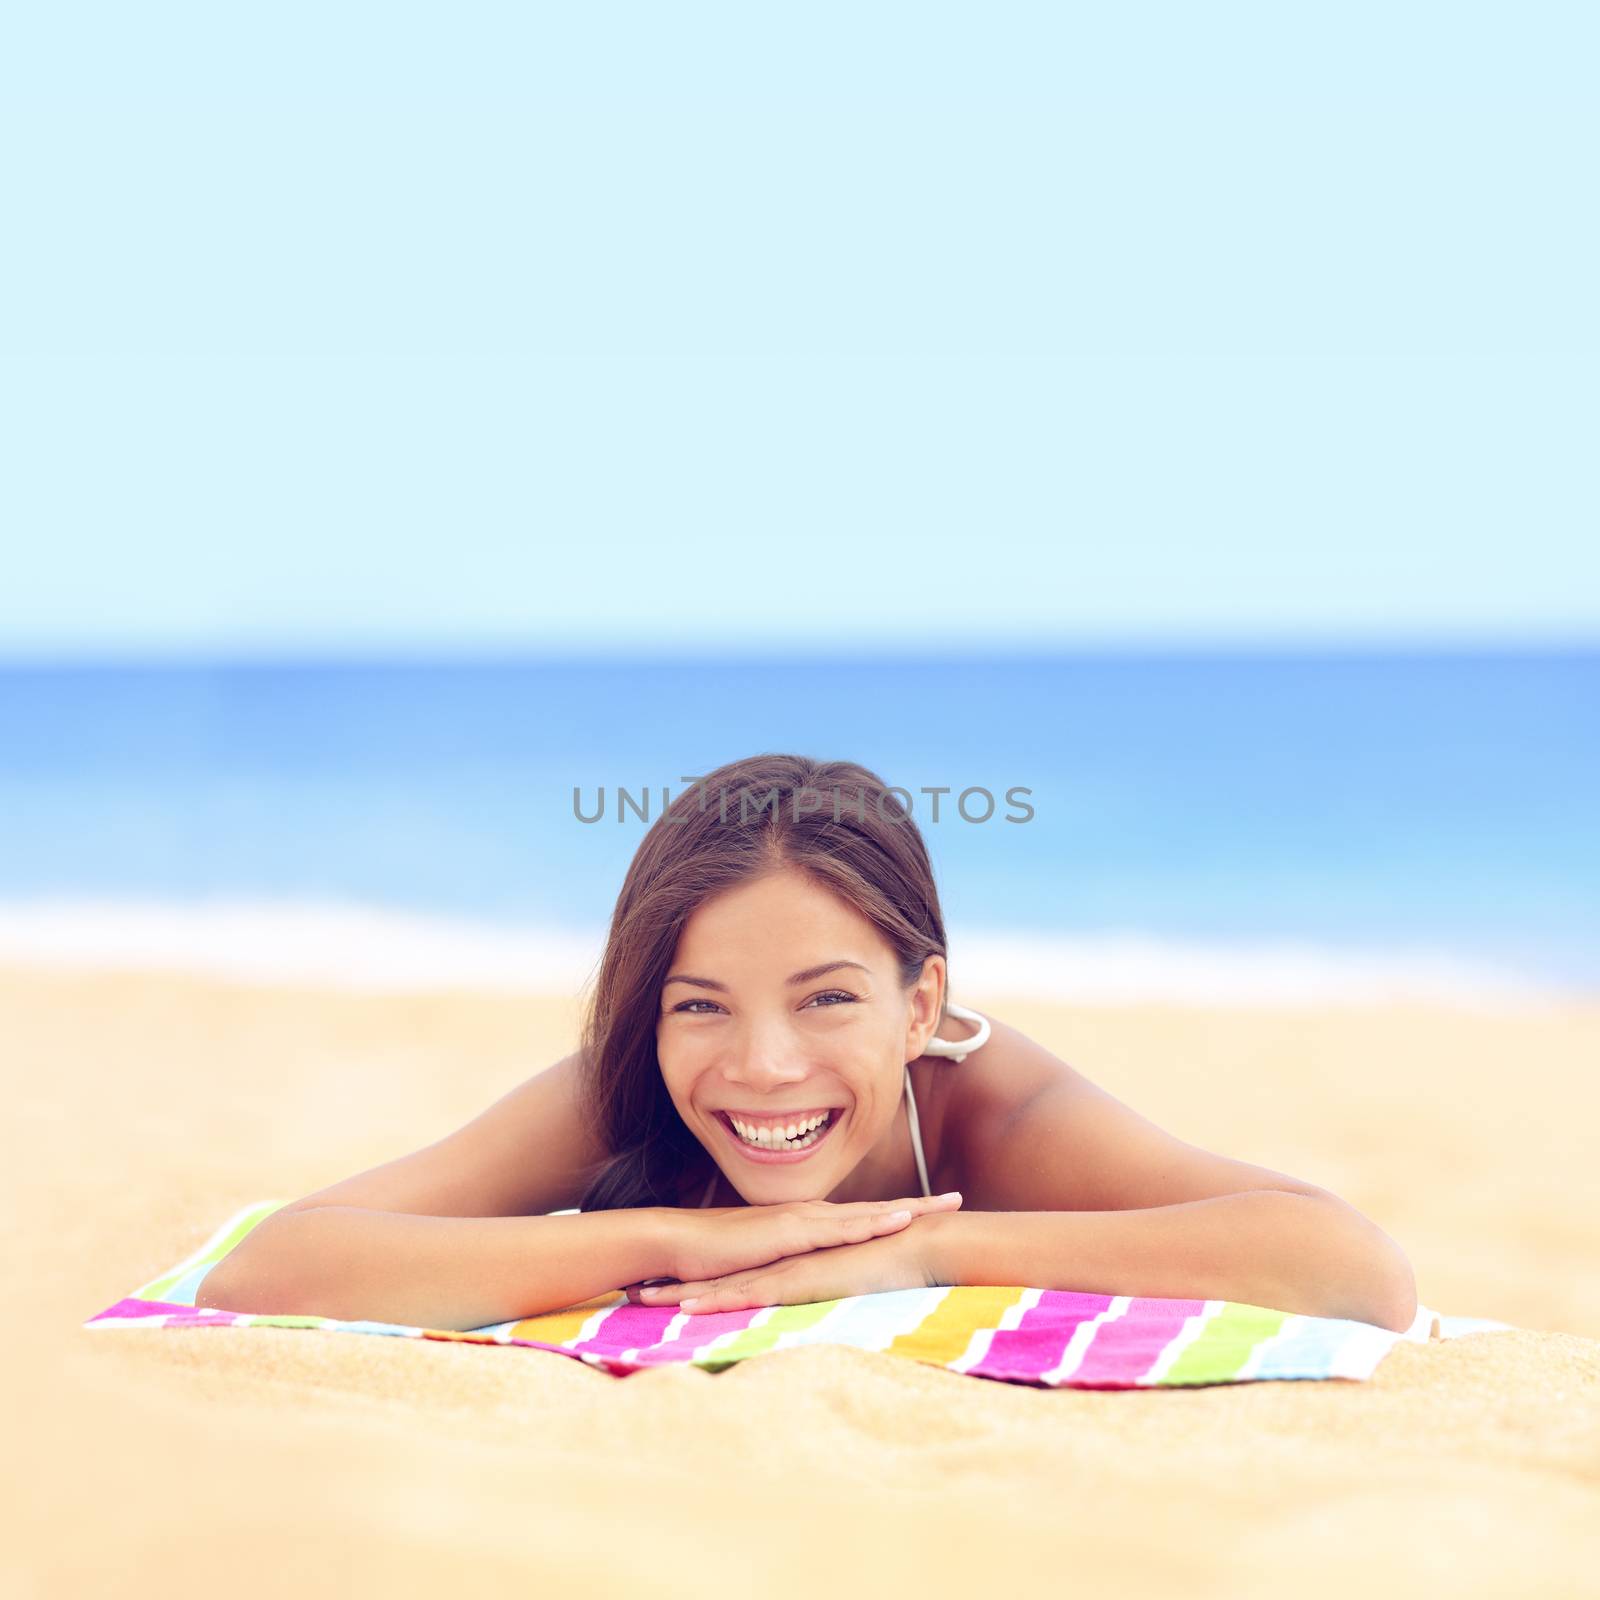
[{"x": 351, "y": 327}]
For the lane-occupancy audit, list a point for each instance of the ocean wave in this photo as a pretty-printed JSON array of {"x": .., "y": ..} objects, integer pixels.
[{"x": 346, "y": 945}]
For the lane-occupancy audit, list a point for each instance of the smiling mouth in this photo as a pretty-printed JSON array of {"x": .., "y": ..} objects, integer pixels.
[{"x": 776, "y": 1142}]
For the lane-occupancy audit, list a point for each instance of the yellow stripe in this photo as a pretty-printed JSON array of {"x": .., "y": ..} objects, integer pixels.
[
  {"x": 946, "y": 1332},
  {"x": 563, "y": 1327}
]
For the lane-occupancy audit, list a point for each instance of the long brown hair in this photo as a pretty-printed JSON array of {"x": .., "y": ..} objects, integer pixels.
[{"x": 833, "y": 820}]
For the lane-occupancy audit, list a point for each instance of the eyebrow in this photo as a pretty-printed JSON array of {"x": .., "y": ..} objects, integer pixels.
[{"x": 798, "y": 977}]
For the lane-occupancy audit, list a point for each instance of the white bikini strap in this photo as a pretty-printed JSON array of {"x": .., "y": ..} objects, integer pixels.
[{"x": 916, "y": 1134}]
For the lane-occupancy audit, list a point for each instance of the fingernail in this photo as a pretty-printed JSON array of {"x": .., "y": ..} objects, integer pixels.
[
  {"x": 688, "y": 1305},
  {"x": 899, "y": 1216},
  {"x": 952, "y": 1194}
]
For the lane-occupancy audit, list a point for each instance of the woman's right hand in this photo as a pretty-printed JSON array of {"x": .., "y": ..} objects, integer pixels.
[{"x": 722, "y": 1239}]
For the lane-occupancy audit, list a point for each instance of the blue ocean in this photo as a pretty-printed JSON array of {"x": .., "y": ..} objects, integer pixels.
[{"x": 1338, "y": 802}]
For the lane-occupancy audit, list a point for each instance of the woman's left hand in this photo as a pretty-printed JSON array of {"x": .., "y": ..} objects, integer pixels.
[{"x": 903, "y": 1260}]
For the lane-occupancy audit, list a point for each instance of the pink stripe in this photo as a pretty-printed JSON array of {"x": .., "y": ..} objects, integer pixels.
[
  {"x": 1125, "y": 1349},
  {"x": 697, "y": 1333},
  {"x": 1025, "y": 1353},
  {"x": 626, "y": 1327},
  {"x": 631, "y": 1327},
  {"x": 177, "y": 1316}
]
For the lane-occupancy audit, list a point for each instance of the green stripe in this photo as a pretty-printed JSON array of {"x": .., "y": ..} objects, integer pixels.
[
  {"x": 763, "y": 1337},
  {"x": 1225, "y": 1343},
  {"x": 209, "y": 1255}
]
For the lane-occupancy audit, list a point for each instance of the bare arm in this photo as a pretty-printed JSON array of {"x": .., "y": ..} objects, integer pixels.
[
  {"x": 1286, "y": 1251},
  {"x": 451, "y": 1273},
  {"x": 455, "y": 1235},
  {"x": 1068, "y": 1187}
]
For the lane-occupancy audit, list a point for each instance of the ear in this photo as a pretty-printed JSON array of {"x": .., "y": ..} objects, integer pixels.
[{"x": 925, "y": 1001}]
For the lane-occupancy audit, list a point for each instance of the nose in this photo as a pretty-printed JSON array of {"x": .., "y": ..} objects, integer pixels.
[{"x": 767, "y": 1059}]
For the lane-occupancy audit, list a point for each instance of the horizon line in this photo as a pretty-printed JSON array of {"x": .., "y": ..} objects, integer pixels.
[{"x": 377, "y": 652}]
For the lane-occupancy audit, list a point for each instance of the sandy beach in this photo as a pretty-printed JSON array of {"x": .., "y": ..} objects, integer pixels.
[{"x": 146, "y": 1108}]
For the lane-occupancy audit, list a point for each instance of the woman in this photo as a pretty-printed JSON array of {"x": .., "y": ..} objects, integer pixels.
[{"x": 775, "y": 1101}]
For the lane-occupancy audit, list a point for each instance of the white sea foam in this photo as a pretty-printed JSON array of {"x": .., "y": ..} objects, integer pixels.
[
  {"x": 1121, "y": 968},
  {"x": 335, "y": 944},
  {"x": 351, "y": 946}
]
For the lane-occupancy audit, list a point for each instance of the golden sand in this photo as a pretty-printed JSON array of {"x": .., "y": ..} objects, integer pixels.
[{"x": 142, "y": 1110}]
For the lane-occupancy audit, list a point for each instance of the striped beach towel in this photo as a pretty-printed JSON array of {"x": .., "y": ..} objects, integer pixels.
[{"x": 1049, "y": 1337}]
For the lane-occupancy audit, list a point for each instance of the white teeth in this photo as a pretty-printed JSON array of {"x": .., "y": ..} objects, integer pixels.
[{"x": 796, "y": 1136}]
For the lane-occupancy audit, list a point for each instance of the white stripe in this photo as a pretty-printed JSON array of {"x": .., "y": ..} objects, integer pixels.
[
  {"x": 1361, "y": 1350},
  {"x": 1292, "y": 1325},
  {"x": 1191, "y": 1330},
  {"x": 722, "y": 1341}
]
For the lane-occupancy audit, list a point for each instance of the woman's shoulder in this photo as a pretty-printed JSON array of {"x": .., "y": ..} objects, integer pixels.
[
  {"x": 1006, "y": 1070},
  {"x": 982, "y": 1092}
]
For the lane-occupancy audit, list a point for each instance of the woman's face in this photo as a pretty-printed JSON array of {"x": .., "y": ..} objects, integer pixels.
[{"x": 751, "y": 1028}]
